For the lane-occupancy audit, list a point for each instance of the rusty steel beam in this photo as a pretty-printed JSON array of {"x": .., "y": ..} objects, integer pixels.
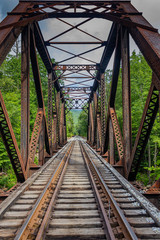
[
  {"x": 88, "y": 77},
  {"x": 38, "y": 86},
  {"x": 50, "y": 110},
  {"x": 36, "y": 73},
  {"x": 148, "y": 41},
  {"x": 115, "y": 75},
  {"x": 76, "y": 67},
  {"x": 65, "y": 129},
  {"x": 111, "y": 143},
  {"x": 106, "y": 56},
  {"x": 103, "y": 119},
  {"x": 117, "y": 134},
  {"x": 45, "y": 55},
  {"x": 54, "y": 131},
  {"x": 76, "y": 89},
  {"x": 88, "y": 123},
  {"x": 99, "y": 128},
  {"x": 58, "y": 117},
  {"x": 120, "y": 18},
  {"x": 41, "y": 143},
  {"x": 76, "y": 1},
  {"x": 34, "y": 139},
  {"x": 42, "y": 48},
  {"x": 155, "y": 188},
  {"x": 116, "y": 68},
  {"x": 126, "y": 98},
  {"x": 106, "y": 141},
  {"x": 98, "y": 116},
  {"x": 9, "y": 35},
  {"x": 25, "y": 109},
  {"x": 95, "y": 104},
  {"x": 76, "y": 103},
  {"x": 147, "y": 121},
  {"x": 92, "y": 123},
  {"x": 10, "y": 143},
  {"x": 54, "y": 109},
  {"x": 49, "y": 43},
  {"x": 61, "y": 133}
]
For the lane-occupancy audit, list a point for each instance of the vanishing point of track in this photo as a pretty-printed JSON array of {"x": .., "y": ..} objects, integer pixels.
[{"x": 78, "y": 195}]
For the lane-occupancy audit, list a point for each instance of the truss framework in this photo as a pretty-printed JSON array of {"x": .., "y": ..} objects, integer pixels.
[{"x": 84, "y": 84}]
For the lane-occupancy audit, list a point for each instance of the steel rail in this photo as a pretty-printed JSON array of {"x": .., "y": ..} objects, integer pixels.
[
  {"x": 44, "y": 223},
  {"x": 30, "y": 223},
  {"x": 127, "y": 230},
  {"x": 20, "y": 190},
  {"x": 148, "y": 206},
  {"x": 107, "y": 227}
]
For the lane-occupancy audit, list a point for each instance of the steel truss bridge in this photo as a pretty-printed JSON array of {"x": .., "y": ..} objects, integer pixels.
[{"x": 78, "y": 80}]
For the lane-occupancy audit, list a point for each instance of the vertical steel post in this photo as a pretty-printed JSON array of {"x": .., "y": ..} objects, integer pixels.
[
  {"x": 99, "y": 129},
  {"x": 50, "y": 110},
  {"x": 62, "y": 125},
  {"x": 111, "y": 143},
  {"x": 103, "y": 122},
  {"x": 65, "y": 130},
  {"x": 54, "y": 131},
  {"x": 91, "y": 124},
  {"x": 126, "y": 97},
  {"x": 98, "y": 139},
  {"x": 41, "y": 143},
  {"x": 25, "y": 111},
  {"x": 88, "y": 125},
  {"x": 95, "y": 117},
  {"x": 58, "y": 116}
]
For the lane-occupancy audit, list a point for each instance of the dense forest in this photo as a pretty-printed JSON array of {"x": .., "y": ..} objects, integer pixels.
[{"x": 10, "y": 79}]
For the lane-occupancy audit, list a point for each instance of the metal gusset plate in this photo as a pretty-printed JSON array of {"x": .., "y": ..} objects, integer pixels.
[
  {"x": 117, "y": 134},
  {"x": 35, "y": 137}
]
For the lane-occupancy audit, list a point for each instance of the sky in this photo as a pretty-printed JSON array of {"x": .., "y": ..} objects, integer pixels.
[{"x": 98, "y": 27}]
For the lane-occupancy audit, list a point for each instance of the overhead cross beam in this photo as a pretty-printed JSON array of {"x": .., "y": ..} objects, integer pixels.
[{"x": 76, "y": 67}]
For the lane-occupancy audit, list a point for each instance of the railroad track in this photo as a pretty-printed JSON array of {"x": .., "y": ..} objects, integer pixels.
[
  {"x": 77, "y": 195},
  {"x": 16, "y": 208},
  {"x": 138, "y": 212}
]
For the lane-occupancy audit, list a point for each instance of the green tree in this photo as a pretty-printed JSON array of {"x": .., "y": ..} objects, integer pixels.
[
  {"x": 81, "y": 127},
  {"x": 70, "y": 124},
  {"x": 141, "y": 77}
]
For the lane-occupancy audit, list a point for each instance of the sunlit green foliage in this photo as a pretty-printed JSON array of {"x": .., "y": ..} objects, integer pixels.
[{"x": 81, "y": 128}]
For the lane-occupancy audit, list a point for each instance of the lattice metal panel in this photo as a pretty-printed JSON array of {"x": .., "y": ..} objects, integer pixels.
[
  {"x": 147, "y": 120},
  {"x": 10, "y": 142}
]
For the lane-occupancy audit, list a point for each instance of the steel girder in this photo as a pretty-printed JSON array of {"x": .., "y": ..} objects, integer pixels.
[
  {"x": 25, "y": 109},
  {"x": 34, "y": 139},
  {"x": 38, "y": 87}
]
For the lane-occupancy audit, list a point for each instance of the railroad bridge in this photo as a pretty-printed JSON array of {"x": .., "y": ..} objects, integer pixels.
[{"x": 79, "y": 189}]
